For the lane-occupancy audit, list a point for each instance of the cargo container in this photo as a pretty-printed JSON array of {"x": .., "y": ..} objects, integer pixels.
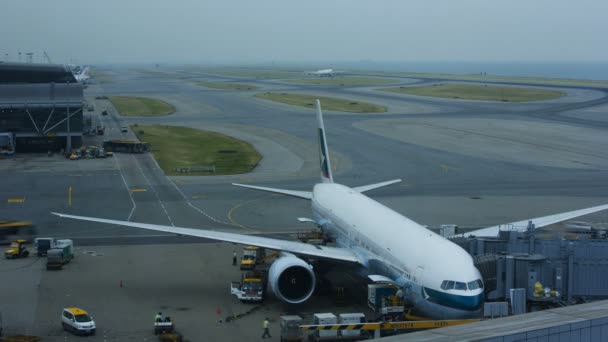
[
  {"x": 290, "y": 328},
  {"x": 325, "y": 318},
  {"x": 351, "y": 318},
  {"x": 44, "y": 244}
]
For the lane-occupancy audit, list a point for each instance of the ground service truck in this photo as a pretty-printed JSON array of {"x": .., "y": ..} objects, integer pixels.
[
  {"x": 252, "y": 256},
  {"x": 60, "y": 255},
  {"x": 251, "y": 288}
]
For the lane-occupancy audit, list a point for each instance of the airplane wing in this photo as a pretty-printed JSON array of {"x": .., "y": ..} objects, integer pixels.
[
  {"x": 539, "y": 222},
  {"x": 300, "y": 194},
  {"x": 276, "y": 244},
  {"x": 369, "y": 187}
]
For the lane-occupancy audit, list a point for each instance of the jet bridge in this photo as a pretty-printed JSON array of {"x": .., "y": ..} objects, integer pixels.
[{"x": 569, "y": 266}]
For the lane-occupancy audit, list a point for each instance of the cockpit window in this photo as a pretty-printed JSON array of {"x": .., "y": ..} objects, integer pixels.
[
  {"x": 460, "y": 286},
  {"x": 475, "y": 284}
]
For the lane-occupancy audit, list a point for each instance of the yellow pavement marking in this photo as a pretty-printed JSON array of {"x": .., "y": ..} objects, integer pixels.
[
  {"x": 138, "y": 190},
  {"x": 70, "y": 196},
  {"x": 199, "y": 196},
  {"x": 253, "y": 228},
  {"x": 233, "y": 209},
  {"x": 16, "y": 200},
  {"x": 407, "y": 185},
  {"x": 445, "y": 168}
]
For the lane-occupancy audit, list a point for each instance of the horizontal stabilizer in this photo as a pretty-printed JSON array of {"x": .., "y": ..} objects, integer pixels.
[
  {"x": 369, "y": 187},
  {"x": 294, "y": 193},
  {"x": 538, "y": 222}
]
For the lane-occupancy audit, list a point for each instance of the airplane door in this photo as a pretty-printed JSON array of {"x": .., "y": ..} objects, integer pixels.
[{"x": 418, "y": 273}]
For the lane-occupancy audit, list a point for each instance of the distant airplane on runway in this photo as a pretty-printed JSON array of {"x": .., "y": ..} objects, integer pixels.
[
  {"x": 324, "y": 73},
  {"x": 437, "y": 276}
]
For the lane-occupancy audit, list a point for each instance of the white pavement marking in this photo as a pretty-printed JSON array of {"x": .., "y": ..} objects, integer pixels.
[
  {"x": 127, "y": 187},
  {"x": 188, "y": 201},
  {"x": 162, "y": 205}
]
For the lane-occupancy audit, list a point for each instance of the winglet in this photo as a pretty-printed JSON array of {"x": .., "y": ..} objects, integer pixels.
[{"x": 326, "y": 176}]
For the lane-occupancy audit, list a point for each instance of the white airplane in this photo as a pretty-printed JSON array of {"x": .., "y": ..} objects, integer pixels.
[
  {"x": 437, "y": 276},
  {"x": 81, "y": 74},
  {"x": 324, "y": 73}
]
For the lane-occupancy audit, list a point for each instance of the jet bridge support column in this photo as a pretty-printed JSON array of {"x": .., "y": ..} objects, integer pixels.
[
  {"x": 570, "y": 273},
  {"x": 509, "y": 274},
  {"x": 530, "y": 237}
]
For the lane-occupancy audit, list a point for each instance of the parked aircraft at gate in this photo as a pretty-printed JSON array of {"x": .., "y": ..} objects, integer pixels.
[{"x": 438, "y": 277}]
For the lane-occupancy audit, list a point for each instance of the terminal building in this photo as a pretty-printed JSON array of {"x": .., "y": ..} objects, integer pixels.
[{"x": 41, "y": 108}]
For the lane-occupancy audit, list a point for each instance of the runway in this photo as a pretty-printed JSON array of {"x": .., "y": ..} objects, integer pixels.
[{"x": 449, "y": 150}]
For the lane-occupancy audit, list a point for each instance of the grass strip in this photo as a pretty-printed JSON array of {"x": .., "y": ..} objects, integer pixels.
[
  {"x": 479, "y": 92},
  {"x": 141, "y": 106},
  {"x": 177, "y": 149}
]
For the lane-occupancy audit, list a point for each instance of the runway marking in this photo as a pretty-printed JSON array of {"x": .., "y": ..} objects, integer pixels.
[
  {"x": 138, "y": 190},
  {"x": 16, "y": 200},
  {"x": 200, "y": 211},
  {"x": 233, "y": 209},
  {"x": 251, "y": 228},
  {"x": 162, "y": 205},
  {"x": 134, "y": 205}
]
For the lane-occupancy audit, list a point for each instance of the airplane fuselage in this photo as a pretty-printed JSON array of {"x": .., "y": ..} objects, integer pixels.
[{"x": 396, "y": 247}]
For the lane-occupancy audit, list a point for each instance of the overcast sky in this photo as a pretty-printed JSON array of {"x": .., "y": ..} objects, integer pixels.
[{"x": 234, "y": 31}]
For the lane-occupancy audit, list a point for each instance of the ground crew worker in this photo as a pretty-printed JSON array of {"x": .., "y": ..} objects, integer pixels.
[
  {"x": 158, "y": 317},
  {"x": 399, "y": 293},
  {"x": 234, "y": 258},
  {"x": 266, "y": 331}
]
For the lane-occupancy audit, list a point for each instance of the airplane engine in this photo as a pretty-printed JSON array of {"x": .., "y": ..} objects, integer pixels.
[{"x": 291, "y": 279}]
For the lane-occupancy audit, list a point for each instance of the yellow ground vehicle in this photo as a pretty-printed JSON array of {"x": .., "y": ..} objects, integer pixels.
[
  {"x": 17, "y": 250},
  {"x": 252, "y": 255}
]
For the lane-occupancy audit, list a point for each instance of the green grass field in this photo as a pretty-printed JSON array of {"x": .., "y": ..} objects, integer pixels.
[
  {"x": 141, "y": 106},
  {"x": 176, "y": 147},
  {"x": 479, "y": 92},
  {"x": 345, "y": 81},
  {"x": 327, "y": 103},
  {"x": 227, "y": 86}
]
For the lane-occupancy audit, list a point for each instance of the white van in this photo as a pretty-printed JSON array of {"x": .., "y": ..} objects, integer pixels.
[{"x": 77, "y": 321}]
